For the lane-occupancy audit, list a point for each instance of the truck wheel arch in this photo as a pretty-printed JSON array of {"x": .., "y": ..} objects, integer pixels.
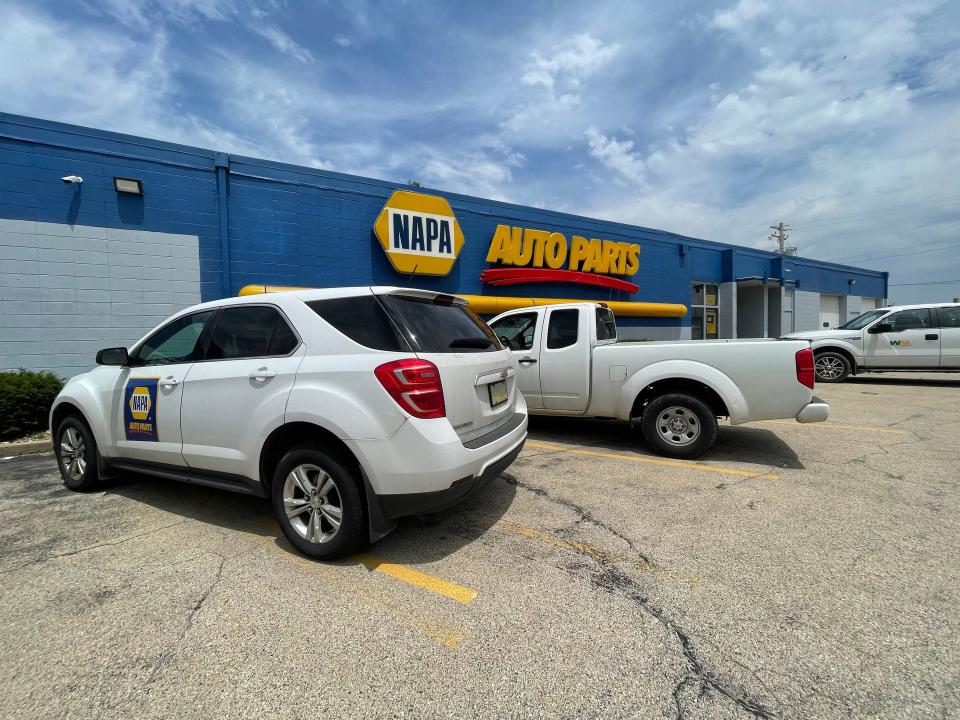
[
  {"x": 687, "y": 386},
  {"x": 697, "y": 379},
  {"x": 840, "y": 351}
]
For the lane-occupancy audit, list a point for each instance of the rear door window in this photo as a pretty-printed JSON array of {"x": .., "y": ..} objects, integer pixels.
[
  {"x": 363, "y": 320},
  {"x": 250, "y": 332},
  {"x": 437, "y": 325},
  {"x": 563, "y": 327}
]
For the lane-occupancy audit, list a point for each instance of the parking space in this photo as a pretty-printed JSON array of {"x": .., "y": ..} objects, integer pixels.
[{"x": 794, "y": 571}]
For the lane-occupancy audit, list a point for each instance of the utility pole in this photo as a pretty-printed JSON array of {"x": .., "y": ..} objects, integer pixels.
[{"x": 779, "y": 236}]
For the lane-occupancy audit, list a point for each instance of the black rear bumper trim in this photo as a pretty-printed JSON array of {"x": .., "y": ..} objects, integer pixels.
[
  {"x": 508, "y": 427},
  {"x": 398, "y": 506}
]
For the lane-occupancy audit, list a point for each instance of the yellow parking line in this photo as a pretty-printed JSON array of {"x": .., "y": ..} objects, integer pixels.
[
  {"x": 410, "y": 576},
  {"x": 447, "y": 635},
  {"x": 839, "y": 426},
  {"x": 655, "y": 461}
]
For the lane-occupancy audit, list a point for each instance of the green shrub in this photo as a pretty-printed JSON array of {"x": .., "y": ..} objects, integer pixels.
[{"x": 25, "y": 400}]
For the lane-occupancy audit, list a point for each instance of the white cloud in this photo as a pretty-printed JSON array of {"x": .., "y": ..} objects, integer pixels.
[
  {"x": 342, "y": 40},
  {"x": 735, "y": 17},
  {"x": 617, "y": 155},
  {"x": 283, "y": 42},
  {"x": 570, "y": 63}
]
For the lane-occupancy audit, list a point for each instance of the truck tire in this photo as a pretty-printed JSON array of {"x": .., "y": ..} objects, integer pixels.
[
  {"x": 77, "y": 454},
  {"x": 679, "y": 425},
  {"x": 831, "y": 367},
  {"x": 318, "y": 504}
]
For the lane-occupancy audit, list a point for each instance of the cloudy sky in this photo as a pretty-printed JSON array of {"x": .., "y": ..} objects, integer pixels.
[{"x": 715, "y": 120}]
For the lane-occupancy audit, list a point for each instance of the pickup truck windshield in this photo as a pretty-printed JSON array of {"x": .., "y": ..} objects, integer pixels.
[{"x": 861, "y": 321}]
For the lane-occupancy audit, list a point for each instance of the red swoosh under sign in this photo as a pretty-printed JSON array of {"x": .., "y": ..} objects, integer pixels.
[{"x": 517, "y": 276}]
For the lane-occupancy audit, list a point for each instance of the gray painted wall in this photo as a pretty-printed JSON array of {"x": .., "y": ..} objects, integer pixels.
[
  {"x": 728, "y": 311},
  {"x": 806, "y": 311},
  {"x": 774, "y": 311},
  {"x": 750, "y": 315},
  {"x": 68, "y": 290}
]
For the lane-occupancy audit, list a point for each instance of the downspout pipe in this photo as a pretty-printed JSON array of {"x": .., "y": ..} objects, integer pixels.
[{"x": 221, "y": 164}]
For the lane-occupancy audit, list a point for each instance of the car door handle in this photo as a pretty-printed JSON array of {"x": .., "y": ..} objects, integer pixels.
[
  {"x": 169, "y": 382},
  {"x": 527, "y": 361},
  {"x": 262, "y": 375},
  {"x": 931, "y": 336}
]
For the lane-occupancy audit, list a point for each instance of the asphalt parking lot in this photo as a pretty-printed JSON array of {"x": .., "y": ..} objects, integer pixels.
[{"x": 794, "y": 571}]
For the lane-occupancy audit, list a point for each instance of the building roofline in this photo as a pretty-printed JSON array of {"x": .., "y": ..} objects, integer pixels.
[{"x": 211, "y": 156}]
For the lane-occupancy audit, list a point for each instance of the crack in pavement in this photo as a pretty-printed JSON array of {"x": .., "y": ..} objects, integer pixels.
[
  {"x": 615, "y": 581},
  {"x": 165, "y": 655},
  {"x": 78, "y": 551},
  {"x": 583, "y": 514}
]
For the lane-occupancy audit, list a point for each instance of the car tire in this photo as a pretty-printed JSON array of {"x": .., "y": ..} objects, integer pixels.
[
  {"x": 309, "y": 488},
  {"x": 831, "y": 367},
  {"x": 77, "y": 454},
  {"x": 679, "y": 425}
]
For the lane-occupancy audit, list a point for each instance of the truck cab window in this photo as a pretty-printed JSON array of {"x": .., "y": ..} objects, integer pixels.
[
  {"x": 517, "y": 330},
  {"x": 562, "y": 331}
]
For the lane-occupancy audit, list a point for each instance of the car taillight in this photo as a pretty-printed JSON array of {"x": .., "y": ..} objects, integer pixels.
[
  {"x": 415, "y": 385},
  {"x": 805, "y": 373}
]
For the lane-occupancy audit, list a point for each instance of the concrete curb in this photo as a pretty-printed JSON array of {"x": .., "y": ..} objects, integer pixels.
[{"x": 25, "y": 448}]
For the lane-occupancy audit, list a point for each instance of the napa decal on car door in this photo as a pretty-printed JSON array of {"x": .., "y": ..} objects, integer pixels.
[{"x": 140, "y": 409}]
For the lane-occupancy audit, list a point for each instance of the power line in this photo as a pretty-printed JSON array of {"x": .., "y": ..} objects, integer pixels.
[
  {"x": 890, "y": 209},
  {"x": 862, "y": 258},
  {"x": 932, "y": 282}
]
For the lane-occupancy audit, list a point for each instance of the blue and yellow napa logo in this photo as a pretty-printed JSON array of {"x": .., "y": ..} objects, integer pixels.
[
  {"x": 419, "y": 233},
  {"x": 140, "y": 403}
]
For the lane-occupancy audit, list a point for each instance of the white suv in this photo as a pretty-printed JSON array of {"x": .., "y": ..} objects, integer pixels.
[{"x": 350, "y": 407}]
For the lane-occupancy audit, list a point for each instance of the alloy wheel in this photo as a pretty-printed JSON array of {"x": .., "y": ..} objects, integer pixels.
[
  {"x": 73, "y": 453},
  {"x": 829, "y": 367},
  {"x": 678, "y": 426},
  {"x": 313, "y": 503}
]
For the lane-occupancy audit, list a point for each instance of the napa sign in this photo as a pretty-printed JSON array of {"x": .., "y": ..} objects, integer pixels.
[
  {"x": 544, "y": 256},
  {"x": 419, "y": 233}
]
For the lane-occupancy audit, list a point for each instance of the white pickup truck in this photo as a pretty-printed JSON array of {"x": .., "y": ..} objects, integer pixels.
[
  {"x": 570, "y": 363},
  {"x": 902, "y": 338}
]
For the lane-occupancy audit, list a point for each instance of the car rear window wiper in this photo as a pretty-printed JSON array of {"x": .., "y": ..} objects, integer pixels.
[{"x": 478, "y": 343}]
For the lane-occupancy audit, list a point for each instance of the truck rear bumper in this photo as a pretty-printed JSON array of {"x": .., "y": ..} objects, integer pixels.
[{"x": 815, "y": 411}]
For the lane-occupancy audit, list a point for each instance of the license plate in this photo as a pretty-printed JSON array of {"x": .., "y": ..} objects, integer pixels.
[{"x": 498, "y": 393}]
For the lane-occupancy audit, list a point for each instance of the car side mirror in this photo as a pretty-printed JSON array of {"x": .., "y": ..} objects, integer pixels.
[
  {"x": 880, "y": 328},
  {"x": 112, "y": 356}
]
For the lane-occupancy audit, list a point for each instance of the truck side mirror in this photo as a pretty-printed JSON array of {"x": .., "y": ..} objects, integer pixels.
[
  {"x": 880, "y": 328},
  {"x": 112, "y": 356}
]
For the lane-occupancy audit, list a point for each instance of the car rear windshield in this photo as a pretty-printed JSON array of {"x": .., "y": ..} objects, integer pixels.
[
  {"x": 401, "y": 323},
  {"x": 436, "y": 325}
]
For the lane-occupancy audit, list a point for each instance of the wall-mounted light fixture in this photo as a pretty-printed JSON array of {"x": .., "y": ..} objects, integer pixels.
[
  {"x": 128, "y": 185},
  {"x": 851, "y": 282},
  {"x": 71, "y": 180}
]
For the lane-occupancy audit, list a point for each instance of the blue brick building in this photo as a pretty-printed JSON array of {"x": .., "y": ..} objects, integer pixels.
[{"x": 83, "y": 265}]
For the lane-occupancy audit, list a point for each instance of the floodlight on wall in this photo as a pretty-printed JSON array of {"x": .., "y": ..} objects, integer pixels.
[
  {"x": 71, "y": 179},
  {"x": 128, "y": 185},
  {"x": 851, "y": 282}
]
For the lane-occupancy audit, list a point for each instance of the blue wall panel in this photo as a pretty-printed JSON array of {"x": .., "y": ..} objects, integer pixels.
[{"x": 290, "y": 225}]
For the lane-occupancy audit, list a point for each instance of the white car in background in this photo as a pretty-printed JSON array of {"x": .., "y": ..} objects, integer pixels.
[
  {"x": 349, "y": 407},
  {"x": 896, "y": 338}
]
